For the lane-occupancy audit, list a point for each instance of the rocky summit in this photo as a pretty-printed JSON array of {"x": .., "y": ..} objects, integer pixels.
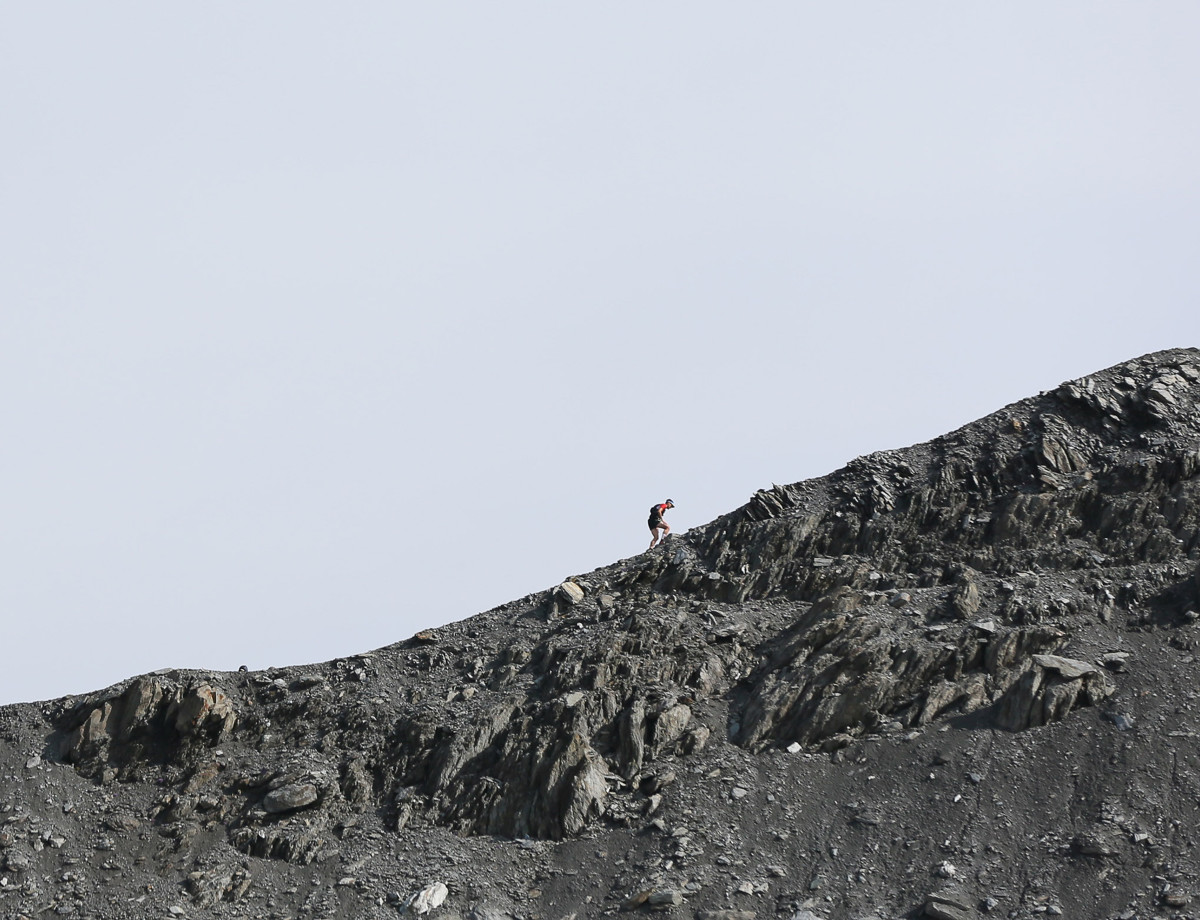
[{"x": 951, "y": 681}]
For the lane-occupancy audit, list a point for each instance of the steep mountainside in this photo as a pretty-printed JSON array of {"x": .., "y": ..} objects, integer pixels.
[{"x": 952, "y": 680}]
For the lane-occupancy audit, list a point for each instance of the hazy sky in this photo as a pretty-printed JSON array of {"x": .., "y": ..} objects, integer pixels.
[{"x": 322, "y": 324}]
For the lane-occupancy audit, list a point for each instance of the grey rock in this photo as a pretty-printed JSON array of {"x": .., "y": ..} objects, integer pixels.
[
  {"x": 1046, "y": 694},
  {"x": 1069, "y": 668},
  {"x": 290, "y": 798},
  {"x": 965, "y": 600},
  {"x": 946, "y": 870},
  {"x": 950, "y": 904},
  {"x": 664, "y": 899},
  {"x": 427, "y": 899},
  {"x": 1095, "y": 843},
  {"x": 569, "y": 593},
  {"x": 15, "y": 861},
  {"x": 1123, "y": 721},
  {"x": 946, "y": 912},
  {"x": 669, "y": 725},
  {"x": 693, "y": 740},
  {"x": 205, "y": 708},
  {"x": 1116, "y": 661}
]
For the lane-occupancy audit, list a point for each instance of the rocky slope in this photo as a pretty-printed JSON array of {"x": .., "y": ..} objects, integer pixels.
[{"x": 949, "y": 681}]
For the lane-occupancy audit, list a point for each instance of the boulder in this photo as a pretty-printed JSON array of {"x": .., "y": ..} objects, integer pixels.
[
  {"x": 428, "y": 898},
  {"x": 568, "y": 593},
  {"x": 669, "y": 725},
  {"x": 289, "y": 798},
  {"x": 965, "y": 600}
]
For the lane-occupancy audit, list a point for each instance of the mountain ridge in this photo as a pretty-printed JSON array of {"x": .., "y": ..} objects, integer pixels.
[{"x": 993, "y": 597}]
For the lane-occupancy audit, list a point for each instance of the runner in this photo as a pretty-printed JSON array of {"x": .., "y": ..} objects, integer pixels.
[{"x": 657, "y": 523}]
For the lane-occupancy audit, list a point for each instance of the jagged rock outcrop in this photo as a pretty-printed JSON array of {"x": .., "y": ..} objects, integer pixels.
[
  {"x": 150, "y": 713},
  {"x": 1049, "y": 689},
  {"x": 1017, "y": 585}
]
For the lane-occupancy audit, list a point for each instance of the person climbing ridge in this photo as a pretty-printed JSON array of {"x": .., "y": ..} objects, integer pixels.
[{"x": 657, "y": 523}]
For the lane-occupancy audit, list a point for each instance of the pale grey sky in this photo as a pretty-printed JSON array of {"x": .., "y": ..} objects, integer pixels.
[{"x": 322, "y": 324}]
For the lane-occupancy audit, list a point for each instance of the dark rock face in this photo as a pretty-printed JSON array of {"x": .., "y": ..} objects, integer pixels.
[
  {"x": 952, "y": 679},
  {"x": 161, "y": 714}
]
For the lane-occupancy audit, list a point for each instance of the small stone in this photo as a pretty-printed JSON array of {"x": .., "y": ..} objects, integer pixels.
[
  {"x": 33, "y": 762},
  {"x": 1116, "y": 661},
  {"x": 1122, "y": 721},
  {"x": 663, "y": 899},
  {"x": 946, "y": 870},
  {"x": 737, "y": 792},
  {"x": 125, "y": 823},
  {"x": 658, "y": 781},
  {"x": 1095, "y": 843},
  {"x": 15, "y": 862},
  {"x": 794, "y": 747}
]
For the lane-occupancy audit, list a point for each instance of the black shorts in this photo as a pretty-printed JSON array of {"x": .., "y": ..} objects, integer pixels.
[{"x": 655, "y": 522}]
